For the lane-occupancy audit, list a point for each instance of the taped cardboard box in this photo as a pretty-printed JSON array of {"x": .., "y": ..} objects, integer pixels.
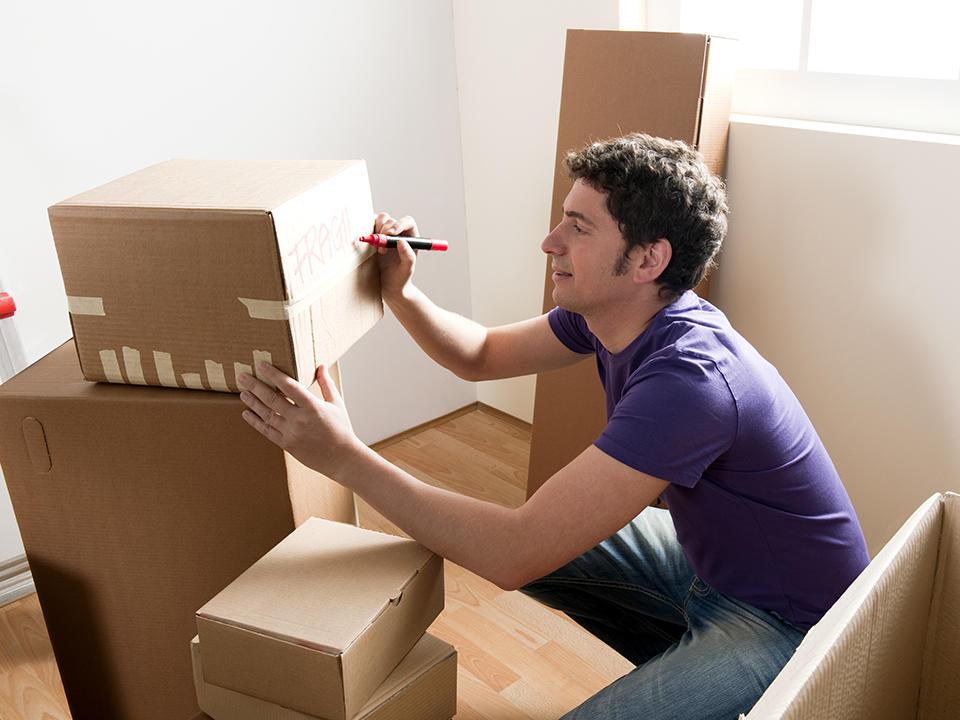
[
  {"x": 189, "y": 272},
  {"x": 890, "y": 646},
  {"x": 136, "y": 505},
  {"x": 422, "y": 687},
  {"x": 321, "y": 620}
]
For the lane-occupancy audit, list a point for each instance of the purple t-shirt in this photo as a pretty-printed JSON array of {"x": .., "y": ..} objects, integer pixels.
[{"x": 760, "y": 511}]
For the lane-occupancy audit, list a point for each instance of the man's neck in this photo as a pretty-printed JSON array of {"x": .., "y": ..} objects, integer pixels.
[{"x": 620, "y": 326}]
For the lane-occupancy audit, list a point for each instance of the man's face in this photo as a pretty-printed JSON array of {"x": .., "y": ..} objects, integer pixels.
[{"x": 586, "y": 251}]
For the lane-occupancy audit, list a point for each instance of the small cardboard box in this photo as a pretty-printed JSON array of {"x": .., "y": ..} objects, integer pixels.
[
  {"x": 422, "y": 687},
  {"x": 320, "y": 621},
  {"x": 189, "y": 272},
  {"x": 889, "y": 648},
  {"x": 136, "y": 505}
]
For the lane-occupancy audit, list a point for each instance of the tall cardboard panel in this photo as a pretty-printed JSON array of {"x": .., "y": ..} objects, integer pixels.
[
  {"x": 672, "y": 85},
  {"x": 136, "y": 505}
]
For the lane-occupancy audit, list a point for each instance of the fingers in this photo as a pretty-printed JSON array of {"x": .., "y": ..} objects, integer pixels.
[
  {"x": 298, "y": 394},
  {"x": 388, "y": 225},
  {"x": 407, "y": 226},
  {"x": 271, "y": 433}
]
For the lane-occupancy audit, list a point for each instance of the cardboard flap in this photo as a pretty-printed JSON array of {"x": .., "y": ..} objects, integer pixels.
[
  {"x": 318, "y": 231},
  {"x": 200, "y": 183},
  {"x": 863, "y": 659},
  {"x": 939, "y": 690}
]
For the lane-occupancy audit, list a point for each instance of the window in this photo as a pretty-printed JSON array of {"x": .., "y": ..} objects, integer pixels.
[{"x": 880, "y": 63}]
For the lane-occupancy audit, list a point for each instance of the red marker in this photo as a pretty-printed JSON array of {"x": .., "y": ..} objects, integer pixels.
[{"x": 390, "y": 241}]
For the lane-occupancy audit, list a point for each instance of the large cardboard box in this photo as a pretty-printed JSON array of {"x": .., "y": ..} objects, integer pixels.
[
  {"x": 135, "y": 506},
  {"x": 189, "y": 272},
  {"x": 320, "y": 621},
  {"x": 889, "y": 648},
  {"x": 422, "y": 687},
  {"x": 672, "y": 85}
]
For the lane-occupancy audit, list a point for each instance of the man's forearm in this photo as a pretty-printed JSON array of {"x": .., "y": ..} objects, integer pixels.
[
  {"x": 481, "y": 536},
  {"x": 451, "y": 340}
]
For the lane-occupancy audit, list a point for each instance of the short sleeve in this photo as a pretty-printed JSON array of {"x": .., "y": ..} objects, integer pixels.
[
  {"x": 571, "y": 329},
  {"x": 675, "y": 418}
]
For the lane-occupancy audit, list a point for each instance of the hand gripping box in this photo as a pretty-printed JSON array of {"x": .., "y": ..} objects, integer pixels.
[
  {"x": 189, "y": 272},
  {"x": 889, "y": 648},
  {"x": 422, "y": 687},
  {"x": 322, "y": 619},
  {"x": 136, "y": 505}
]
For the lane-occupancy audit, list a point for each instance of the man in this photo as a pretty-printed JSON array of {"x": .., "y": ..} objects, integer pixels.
[{"x": 710, "y": 598}]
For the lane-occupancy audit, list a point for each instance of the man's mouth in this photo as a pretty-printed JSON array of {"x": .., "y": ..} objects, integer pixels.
[{"x": 557, "y": 272}]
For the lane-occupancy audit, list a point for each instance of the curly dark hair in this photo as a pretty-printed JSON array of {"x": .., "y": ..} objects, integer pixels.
[{"x": 659, "y": 188}]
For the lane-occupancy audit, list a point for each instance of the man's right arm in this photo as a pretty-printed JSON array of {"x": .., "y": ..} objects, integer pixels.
[{"x": 466, "y": 348}]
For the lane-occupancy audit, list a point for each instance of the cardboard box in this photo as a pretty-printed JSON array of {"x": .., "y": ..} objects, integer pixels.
[
  {"x": 320, "y": 621},
  {"x": 890, "y": 646},
  {"x": 135, "y": 506},
  {"x": 422, "y": 687},
  {"x": 189, "y": 272},
  {"x": 672, "y": 85}
]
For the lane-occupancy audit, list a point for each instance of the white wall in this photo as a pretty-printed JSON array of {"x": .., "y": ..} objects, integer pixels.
[
  {"x": 92, "y": 91},
  {"x": 509, "y": 70},
  {"x": 840, "y": 267}
]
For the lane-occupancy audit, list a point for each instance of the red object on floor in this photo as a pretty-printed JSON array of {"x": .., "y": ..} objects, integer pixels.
[{"x": 7, "y": 306}]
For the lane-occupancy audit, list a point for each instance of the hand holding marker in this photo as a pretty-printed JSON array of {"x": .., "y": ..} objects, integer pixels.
[{"x": 390, "y": 241}]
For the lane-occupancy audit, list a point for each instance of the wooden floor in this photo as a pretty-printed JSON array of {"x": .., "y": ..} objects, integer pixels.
[{"x": 517, "y": 659}]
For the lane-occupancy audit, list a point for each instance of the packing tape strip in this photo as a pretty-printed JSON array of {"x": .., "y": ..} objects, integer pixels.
[
  {"x": 164, "y": 364},
  {"x": 131, "y": 363},
  {"x": 215, "y": 376},
  {"x": 81, "y": 305},
  {"x": 288, "y": 309},
  {"x": 193, "y": 381},
  {"x": 111, "y": 368}
]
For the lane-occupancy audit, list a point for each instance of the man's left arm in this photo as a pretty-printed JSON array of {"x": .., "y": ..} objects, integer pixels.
[{"x": 583, "y": 503}]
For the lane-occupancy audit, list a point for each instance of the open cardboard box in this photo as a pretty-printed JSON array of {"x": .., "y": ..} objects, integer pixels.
[
  {"x": 190, "y": 272},
  {"x": 422, "y": 687},
  {"x": 322, "y": 619},
  {"x": 890, "y": 646},
  {"x": 136, "y": 505}
]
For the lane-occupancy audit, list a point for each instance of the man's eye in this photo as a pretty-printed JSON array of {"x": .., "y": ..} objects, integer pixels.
[{"x": 577, "y": 228}]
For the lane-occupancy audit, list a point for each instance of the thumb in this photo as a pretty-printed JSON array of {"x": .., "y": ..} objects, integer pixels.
[
  {"x": 327, "y": 387},
  {"x": 408, "y": 255}
]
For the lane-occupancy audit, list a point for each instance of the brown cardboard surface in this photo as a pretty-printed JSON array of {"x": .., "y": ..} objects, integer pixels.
[
  {"x": 671, "y": 85},
  {"x": 423, "y": 686},
  {"x": 889, "y": 647},
  {"x": 135, "y": 506},
  {"x": 190, "y": 271},
  {"x": 322, "y": 619}
]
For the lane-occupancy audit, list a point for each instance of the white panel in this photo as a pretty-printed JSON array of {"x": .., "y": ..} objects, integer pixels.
[
  {"x": 840, "y": 267},
  {"x": 510, "y": 76}
]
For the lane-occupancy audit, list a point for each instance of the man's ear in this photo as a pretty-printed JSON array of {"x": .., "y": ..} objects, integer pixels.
[{"x": 654, "y": 260}]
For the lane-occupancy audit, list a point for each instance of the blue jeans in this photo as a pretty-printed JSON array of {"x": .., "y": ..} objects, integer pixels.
[{"x": 699, "y": 653}]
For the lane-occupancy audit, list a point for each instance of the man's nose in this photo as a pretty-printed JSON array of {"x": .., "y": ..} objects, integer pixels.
[{"x": 550, "y": 244}]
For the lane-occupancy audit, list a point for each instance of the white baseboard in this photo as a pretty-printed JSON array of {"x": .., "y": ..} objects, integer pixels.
[{"x": 15, "y": 580}]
